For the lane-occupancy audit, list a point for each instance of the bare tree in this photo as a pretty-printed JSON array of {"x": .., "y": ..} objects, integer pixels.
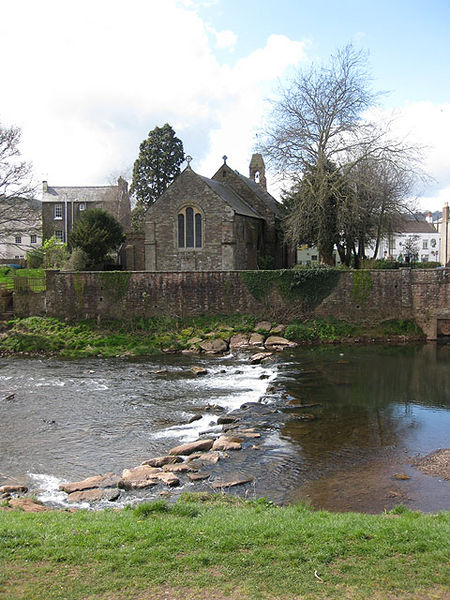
[
  {"x": 318, "y": 136},
  {"x": 16, "y": 184},
  {"x": 379, "y": 195},
  {"x": 411, "y": 248}
]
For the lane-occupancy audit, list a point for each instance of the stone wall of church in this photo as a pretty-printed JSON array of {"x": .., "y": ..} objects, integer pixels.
[
  {"x": 248, "y": 234},
  {"x": 272, "y": 243}
]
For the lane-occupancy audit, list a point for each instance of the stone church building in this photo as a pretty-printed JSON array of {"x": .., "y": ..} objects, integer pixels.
[{"x": 228, "y": 222}]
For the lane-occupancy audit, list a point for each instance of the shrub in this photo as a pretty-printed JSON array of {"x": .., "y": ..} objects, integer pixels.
[
  {"x": 381, "y": 263},
  {"x": 78, "y": 261},
  {"x": 97, "y": 232},
  {"x": 35, "y": 258},
  {"x": 55, "y": 254}
]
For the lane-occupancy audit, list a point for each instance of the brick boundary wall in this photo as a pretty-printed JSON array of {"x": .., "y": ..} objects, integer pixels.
[{"x": 417, "y": 294}]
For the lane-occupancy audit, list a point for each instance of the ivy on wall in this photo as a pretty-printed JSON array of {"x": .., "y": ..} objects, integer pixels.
[
  {"x": 362, "y": 285},
  {"x": 312, "y": 285}
]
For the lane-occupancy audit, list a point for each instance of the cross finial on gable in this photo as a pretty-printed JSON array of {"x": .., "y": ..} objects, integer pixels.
[
  {"x": 224, "y": 159},
  {"x": 188, "y": 160}
]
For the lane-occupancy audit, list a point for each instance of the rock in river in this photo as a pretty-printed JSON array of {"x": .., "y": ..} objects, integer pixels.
[
  {"x": 28, "y": 505},
  {"x": 256, "y": 339},
  {"x": 217, "y": 346},
  {"x": 97, "y": 481},
  {"x": 240, "y": 340},
  {"x": 139, "y": 477},
  {"x": 181, "y": 468},
  {"x": 94, "y": 495},
  {"x": 277, "y": 342},
  {"x": 227, "y": 484},
  {"x": 260, "y": 356},
  {"x": 199, "y": 370},
  {"x": 160, "y": 461},
  {"x": 225, "y": 443},
  {"x": 191, "y": 447},
  {"x": 13, "y": 489}
]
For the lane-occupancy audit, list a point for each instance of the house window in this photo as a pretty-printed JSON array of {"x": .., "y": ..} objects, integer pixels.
[
  {"x": 425, "y": 244},
  {"x": 82, "y": 206},
  {"x": 190, "y": 228},
  {"x": 424, "y": 258},
  {"x": 18, "y": 239},
  {"x": 59, "y": 235},
  {"x": 33, "y": 238},
  {"x": 58, "y": 211},
  {"x": 314, "y": 257},
  {"x": 433, "y": 243}
]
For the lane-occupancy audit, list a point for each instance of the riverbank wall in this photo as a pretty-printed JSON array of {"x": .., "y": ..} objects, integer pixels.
[{"x": 366, "y": 297}]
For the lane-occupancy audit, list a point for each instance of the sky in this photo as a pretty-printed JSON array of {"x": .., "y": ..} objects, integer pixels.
[{"x": 86, "y": 81}]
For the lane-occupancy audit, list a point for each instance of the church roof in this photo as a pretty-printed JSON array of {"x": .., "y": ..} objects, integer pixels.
[
  {"x": 262, "y": 194},
  {"x": 232, "y": 198}
]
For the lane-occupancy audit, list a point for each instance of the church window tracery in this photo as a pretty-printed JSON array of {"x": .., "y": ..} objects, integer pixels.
[{"x": 190, "y": 228}]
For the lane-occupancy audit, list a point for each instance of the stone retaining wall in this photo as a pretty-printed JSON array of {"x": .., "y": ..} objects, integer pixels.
[{"x": 359, "y": 297}]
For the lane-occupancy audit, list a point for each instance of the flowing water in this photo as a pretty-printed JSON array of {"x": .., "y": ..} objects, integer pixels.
[{"x": 374, "y": 408}]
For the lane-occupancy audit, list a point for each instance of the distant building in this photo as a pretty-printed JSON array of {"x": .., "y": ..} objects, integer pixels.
[
  {"x": 20, "y": 228},
  {"x": 443, "y": 227},
  {"x": 62, "y": 206},
  {"x": 418, "y": 240}
]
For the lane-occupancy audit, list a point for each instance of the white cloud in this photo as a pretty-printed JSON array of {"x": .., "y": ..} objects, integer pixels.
[
  {"x": 427, "y": 125},
  {"x": 224, "y": 39},
  {"x": 90, "y": 79}
]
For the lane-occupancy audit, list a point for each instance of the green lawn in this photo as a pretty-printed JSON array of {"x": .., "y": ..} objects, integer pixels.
[
  {"x": 219, "y": 549},
  {"x": 35, "y": 278}
]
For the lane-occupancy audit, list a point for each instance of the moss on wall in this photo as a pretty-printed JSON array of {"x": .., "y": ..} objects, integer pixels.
[
  {"x": 115, "y": 283},
  {"x": 362, "y": 285}
]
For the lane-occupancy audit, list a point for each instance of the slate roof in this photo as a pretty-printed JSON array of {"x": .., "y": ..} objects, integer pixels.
[
  {"x": 262, "y": 194},
  {"x": 91, "y": 193},
  {"x": 413, "y": 226},
  {"x": 232, "y": 198}
]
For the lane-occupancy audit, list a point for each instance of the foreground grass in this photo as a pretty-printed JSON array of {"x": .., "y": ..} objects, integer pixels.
[
  {"x": 145, "y": 336},
  {"x": 219, "y": 549}
]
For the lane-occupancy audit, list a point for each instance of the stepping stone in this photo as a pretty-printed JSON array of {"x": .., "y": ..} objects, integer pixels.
[{"x": 192, "y": 447}]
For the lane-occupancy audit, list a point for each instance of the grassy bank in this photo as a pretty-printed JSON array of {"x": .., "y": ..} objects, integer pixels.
[
  {"x": 140, "y": 337},
  {"x": 222, "y": 549}
]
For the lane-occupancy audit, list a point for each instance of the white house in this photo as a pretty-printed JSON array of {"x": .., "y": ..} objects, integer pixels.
[
  {"x": 414, "y": 239},
  {"x": 20, "y": 229}
]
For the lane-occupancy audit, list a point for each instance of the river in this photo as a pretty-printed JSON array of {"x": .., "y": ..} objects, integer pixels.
[{"x": 372, "y": 410}]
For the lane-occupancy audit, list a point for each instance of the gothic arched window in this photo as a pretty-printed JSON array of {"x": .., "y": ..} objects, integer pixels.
[{"x": 190, "y": 228}]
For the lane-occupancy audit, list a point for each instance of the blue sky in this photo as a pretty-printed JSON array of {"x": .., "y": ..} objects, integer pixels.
[
  {"x": 408, "y": 41},
  {"x": 89, "y": 79}
]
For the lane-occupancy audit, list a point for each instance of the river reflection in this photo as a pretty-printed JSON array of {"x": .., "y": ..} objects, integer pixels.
[
  {"x": 377, "y": 408},
  {"x": 373, "y": 408}
]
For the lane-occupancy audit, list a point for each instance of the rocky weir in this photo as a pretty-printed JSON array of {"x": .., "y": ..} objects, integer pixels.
[
  {"x": 344, "y": 428},
  {"x": 195, "y": 462},
  {"x": 192, "y": 462}
]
